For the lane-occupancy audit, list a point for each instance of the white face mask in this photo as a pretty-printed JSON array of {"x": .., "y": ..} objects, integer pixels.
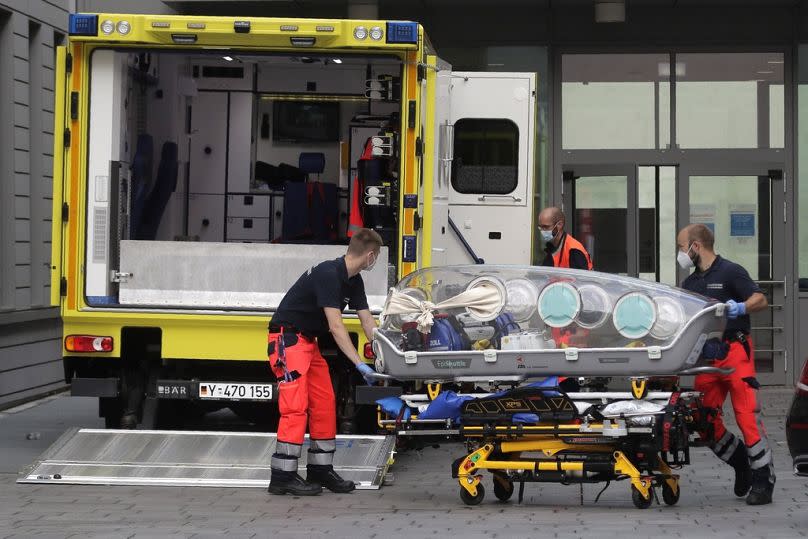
[
  {"x": 372, "y": 264},
  {"x": 684, "y": 260},
  {"x": 548, "y": 235}
]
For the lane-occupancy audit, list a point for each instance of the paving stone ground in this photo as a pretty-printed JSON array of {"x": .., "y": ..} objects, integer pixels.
[{"x": 422, "y": 502}]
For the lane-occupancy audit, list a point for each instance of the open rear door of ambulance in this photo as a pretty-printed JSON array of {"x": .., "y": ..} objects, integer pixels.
[
  {"x": 491, "y": 184},
  {"x": 61, "y": 150}
]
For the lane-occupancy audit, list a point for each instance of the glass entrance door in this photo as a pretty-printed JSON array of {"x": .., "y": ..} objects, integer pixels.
[
  {"x": 600, "y": 214},
  {"x": 625, "y": 215},
  {"x": 740, "y": 206}
]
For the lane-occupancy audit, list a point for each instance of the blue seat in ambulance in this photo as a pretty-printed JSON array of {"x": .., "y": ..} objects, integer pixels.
[
  {"x": 142, "y": 164},
  {"x": 165, "y": 184}
]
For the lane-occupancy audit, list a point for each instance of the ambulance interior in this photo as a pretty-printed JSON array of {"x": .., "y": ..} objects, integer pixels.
[{"x": 233, "y": 148}]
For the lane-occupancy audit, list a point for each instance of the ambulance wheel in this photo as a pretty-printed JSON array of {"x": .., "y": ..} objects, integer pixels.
[
  {"x": 640, "y": 502},
  {"x": 503, "y": 488},
  {"x": 668, "y": 495},
  {"x": 468, "y": 499}
]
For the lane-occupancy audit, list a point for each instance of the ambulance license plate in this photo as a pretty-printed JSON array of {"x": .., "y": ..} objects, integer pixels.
[{"x": 235, "y": 391}]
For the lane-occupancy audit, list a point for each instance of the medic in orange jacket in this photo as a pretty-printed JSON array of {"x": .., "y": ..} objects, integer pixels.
[{"x": 562, "y": 251}]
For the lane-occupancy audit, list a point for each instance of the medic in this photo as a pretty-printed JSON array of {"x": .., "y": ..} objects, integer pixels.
[
  {"x": 726, "y": 281},
  {"x": 313, "y": 307},
  {"x": 562, "y": 250}
]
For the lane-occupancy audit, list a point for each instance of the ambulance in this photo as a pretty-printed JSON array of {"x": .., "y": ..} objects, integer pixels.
[{"x": 201, "y": 164}]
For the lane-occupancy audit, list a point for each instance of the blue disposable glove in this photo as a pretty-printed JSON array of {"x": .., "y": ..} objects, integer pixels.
[
  {"x": 365, "y": 370},
  {"x": 735, "y": 309}
]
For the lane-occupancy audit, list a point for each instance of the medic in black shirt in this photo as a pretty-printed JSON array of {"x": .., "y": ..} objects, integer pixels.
[
  {"x": 726, "y": 281},
  {"x": 313, "y": 307}
]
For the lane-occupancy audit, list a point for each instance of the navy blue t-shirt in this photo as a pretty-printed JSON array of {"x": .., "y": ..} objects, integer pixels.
[
  {"x": 724, "y": 280},
  {"x": 325, "y": 285}
]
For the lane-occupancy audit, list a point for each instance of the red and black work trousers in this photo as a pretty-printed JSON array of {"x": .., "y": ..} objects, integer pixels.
[
  {"x": 305, "y": 396},
  {"x": 741, "y": 386}
]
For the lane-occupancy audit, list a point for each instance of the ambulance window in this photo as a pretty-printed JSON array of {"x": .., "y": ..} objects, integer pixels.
[{"x": 486, "y": 154}]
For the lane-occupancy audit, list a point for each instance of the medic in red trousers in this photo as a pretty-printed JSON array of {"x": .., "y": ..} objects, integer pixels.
[
  {"x": 312, "y": 307},
  {"x": 726, "y": 281}
]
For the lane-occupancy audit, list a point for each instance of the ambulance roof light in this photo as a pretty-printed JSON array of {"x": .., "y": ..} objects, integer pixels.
[
  {"x": 107, "y": 27},
  {"x": 82, "y": 25},
  {"x": 360, "y": 32},
  {"x": 402, "y": 32}
]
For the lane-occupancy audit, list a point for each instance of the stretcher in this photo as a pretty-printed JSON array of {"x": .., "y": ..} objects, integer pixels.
[
  {"x": 545, "y": 434},
  {"x": 500, "y": 327},
  {"x": 641, "y": 444},
  {"x": 495, "y": 322}
]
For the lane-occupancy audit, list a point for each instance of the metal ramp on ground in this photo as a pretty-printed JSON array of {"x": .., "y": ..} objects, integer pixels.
[{"x": 192, "y": 458}]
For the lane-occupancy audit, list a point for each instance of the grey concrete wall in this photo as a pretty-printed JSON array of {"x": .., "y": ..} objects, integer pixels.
[{"x": 29, "y": 328}]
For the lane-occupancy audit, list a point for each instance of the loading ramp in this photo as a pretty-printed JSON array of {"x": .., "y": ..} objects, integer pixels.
[{"x": 192, "y": 458}]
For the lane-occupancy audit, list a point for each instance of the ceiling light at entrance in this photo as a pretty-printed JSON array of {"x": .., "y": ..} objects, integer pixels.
[{"x": 611, "y": 11}]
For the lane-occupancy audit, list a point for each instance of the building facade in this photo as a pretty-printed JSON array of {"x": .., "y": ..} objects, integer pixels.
[
  {"x": 652, "y": 114},
  {"x": 30, "y": 360}
]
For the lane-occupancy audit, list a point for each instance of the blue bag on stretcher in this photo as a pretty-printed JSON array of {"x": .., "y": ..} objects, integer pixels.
[{"x": 448, "y": 404}]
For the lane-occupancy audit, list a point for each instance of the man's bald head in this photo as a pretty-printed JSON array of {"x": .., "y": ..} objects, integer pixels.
[{"x": 550, "y": 216}]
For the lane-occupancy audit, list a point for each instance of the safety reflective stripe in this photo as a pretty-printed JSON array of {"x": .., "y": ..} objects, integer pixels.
[
  {"x": 760, "y": 454},
  {"x": 323, "y": 445},
  {"x": 285, "y": 465},
  {"x": 320, "y": 458},
  {"x": 285, "y": 448},
  {"x": 726, "y": 446}
]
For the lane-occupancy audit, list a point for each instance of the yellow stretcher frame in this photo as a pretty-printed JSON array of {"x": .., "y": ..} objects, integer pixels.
[{"x": 472, "y": 491}]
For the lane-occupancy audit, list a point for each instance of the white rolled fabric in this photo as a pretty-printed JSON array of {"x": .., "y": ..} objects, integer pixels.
[{"x": 484, "y": 300}]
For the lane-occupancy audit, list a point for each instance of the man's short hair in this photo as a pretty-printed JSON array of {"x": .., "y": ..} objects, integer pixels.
[
  {"x": 364, "y": 240},
  {"x": 702, "y": 234}
]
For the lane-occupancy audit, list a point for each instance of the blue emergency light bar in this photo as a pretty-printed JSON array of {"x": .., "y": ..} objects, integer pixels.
[
  {"x": 82, "y": 25},
  {"x": 402, "y": 32}
]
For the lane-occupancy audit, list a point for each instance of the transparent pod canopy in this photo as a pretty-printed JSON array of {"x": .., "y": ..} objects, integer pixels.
[{"x": 601, "y": 310}]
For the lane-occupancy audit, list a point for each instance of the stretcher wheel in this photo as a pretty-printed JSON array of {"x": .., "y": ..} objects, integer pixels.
[
  {"x": 639, "y": 500},
  {"x": 668, "y": 495},
  {"x": 468, "y": 499},
  {"x": 503, "y": 488}
]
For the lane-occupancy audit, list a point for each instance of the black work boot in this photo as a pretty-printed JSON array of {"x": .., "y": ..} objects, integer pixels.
[
  {"x": 762, "y": 487},
  {"x": 283, "y": 482},
  {"x": 327, "y": 477},
  {"x": 743, "y": 472},
  {"x": 128, "y": 420}
]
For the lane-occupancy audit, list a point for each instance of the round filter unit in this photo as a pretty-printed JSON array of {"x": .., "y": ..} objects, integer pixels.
[
  {"x": 559, "y": 304},
  {"x": 489, "y": 311},
  {"x": 523, "y": 296},
  {"x": 670, "y": 317},
  {"x": 595, "y": 306},
  {"x": 634, "y": 315}
]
